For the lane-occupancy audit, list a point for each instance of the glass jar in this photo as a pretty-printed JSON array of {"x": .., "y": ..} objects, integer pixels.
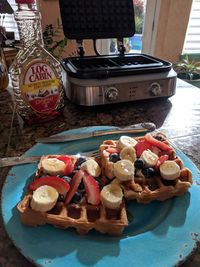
[{"x": 4, "y": 79}]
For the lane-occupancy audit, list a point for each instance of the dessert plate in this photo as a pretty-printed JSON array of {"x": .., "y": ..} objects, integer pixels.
[{"x": 160, "y": 234}]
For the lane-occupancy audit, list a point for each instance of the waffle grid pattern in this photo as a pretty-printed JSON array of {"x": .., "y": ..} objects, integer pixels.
[
  {"x": 93, "y": 19},
  {"x": 83, "y": 217},
  {"x": 145, "y": 190}
]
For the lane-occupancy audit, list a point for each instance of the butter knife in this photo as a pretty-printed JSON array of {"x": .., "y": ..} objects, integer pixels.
[
  {"x": 131, "y": 129},
  {"x": 12, "y": 161}
]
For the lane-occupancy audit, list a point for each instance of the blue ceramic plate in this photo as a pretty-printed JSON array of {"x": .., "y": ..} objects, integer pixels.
[{"x": 161, "y": 234}]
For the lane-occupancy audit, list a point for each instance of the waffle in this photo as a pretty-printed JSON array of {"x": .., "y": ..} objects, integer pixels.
[
  {"x": 82, "y": 216},
  {"x": 143, "y": 189}
]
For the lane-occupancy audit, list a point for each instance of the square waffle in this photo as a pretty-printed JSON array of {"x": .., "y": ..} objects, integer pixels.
[
  {"x": 142, "y": 188},
  {"x": 82, "y": 216}
]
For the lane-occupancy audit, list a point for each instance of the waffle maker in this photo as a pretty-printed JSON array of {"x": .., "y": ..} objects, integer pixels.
[{"x": 106, "y": 79}]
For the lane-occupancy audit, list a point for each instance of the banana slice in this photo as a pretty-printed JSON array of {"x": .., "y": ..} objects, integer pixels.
[
  {"x": 124, "y": 170},
  {"x": 44, "y": 198},
  {"x": 53, "y": 166},
  {"x": 92, "y": 167},
  {"x": 169, "y": 170},
  {"x": 115, "y": 181},
  {"x": 126, "y": 141},
  {"x": 149, "y": 158},
  {"x": 111, "y": 196},
  {"x": 128, "y": 152}
]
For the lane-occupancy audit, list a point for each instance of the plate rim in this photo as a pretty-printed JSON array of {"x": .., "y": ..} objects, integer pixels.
[{"x": 78, "y": 130}]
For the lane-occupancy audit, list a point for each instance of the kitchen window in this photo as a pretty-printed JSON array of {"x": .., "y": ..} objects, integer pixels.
[
  {"x": 144, "y": 40},
  {"x": 192, "y": 40},
  {"x": 8, "y": 21}
]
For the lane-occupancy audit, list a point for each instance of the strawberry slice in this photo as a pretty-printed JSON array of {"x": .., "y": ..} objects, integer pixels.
[
  {"x": 92, "y": 189},
  {"x": 156, "y": 150},
  {"x": 75, "y": 182},
  {"x": 141, "y": 146},
  {"x": 58, "y": 183},
  {"x": 149, "y": 138},
  {"x": 161, "y": 160},
  {"x": 112, "y": 150},
  {"x": 68, "y": 162}
]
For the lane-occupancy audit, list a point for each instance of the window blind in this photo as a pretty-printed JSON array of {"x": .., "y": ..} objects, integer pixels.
[
  {"x": 192, "y": 40},
  {"x": 9, "y": 21}
]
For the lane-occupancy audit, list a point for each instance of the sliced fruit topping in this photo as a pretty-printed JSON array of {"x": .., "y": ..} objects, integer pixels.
[
  {"x": 79, "y": 161},
  {"x": 150, "y": 159},
  {"x": 58, "y": 183},
  {"x": 69, "y": 166},
  {"x": 126, "y": 141},
  {"x": 91, "y": 167},
  {"x": 141, "y": 146},
  {"x": 111, "y": 196},
  {"x": 128, "y": 153},
  {"x": 92, "y": 189},
  {"x": 156, "y": 150},
  {"x": 169, "y": 170},
  {"x": 75, "y": 182},
  {"x": 148, "y": 137},
  {"x": 53, "y": 166},
  {"x": 139, "y": 164},
  {"x": 112, "y": 150},
  {"x": 124, "y": 170},
  {"x": 148, "y": 172},
  {"x": 77, "y": 197},
  {"x": 161, "y": 160},
  {"x": 44, "y": 198},
  {"x": 114, "y": 157}
]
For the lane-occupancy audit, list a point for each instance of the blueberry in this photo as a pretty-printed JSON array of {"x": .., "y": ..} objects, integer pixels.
[
  {"x": 67, "y": 178},
  {"x": 80, "y": 161},
  {"x": 114, "y": 157},
  {"x": 139, "y": 164},
  {"x": 81, "y": 186},
  {"x": 159, "y": 138},
  {"x": 72, "y": 173},
  {"x": 61, "y": 198},
  {"x": 77, "y": 197},
  {"x": 148, "y": 172}
]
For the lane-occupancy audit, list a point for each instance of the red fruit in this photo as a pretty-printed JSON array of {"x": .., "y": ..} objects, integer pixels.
[
  {"x": 58, "y": 183},
  {"x": 76, "y": 180},
  {"x": 149, "y": 138},
  {"x": 68, "y": 162},
  {"x": 156, "y": 150},
  {"x": 141, "y": 146},
  {"x": 112, "y": 150},
  {"x": 92, "y": 189},
  {"x": 161, "y": 160}
]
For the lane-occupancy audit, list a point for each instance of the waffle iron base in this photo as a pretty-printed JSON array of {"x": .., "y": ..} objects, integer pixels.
[{"x": 92, "y": 92}]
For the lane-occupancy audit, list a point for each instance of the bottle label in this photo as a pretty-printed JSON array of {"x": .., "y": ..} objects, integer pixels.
[{"x": 40, "y": 87}]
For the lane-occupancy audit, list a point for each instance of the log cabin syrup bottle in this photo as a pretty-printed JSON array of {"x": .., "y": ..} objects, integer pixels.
[{"x": 35, "y": 74}]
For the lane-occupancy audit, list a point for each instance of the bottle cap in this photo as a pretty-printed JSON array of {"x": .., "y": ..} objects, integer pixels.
[{"x": 25, "y": 1}]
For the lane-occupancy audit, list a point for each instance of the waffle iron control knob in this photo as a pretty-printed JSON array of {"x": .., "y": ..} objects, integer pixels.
[
  {"x": 155, "y": 89},
  {"x": 111, "y": 94}
]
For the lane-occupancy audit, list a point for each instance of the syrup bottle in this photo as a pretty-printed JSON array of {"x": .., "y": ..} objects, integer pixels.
[{"x": 35, "y": 74}]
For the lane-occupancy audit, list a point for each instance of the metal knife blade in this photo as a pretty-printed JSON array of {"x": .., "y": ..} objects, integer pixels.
[
  {"x": 12, "y": 161},
  {"x": 131, "y": 129}
]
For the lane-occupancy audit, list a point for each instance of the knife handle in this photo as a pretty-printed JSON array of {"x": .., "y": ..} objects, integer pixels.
[{"x": 11, "y": 161}]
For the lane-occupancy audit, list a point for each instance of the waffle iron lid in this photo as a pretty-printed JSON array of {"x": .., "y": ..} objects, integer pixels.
[{"x": 97, "y": 19}]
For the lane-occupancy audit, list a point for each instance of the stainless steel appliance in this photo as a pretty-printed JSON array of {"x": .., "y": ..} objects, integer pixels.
[{"x": 106, "y": 79}]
